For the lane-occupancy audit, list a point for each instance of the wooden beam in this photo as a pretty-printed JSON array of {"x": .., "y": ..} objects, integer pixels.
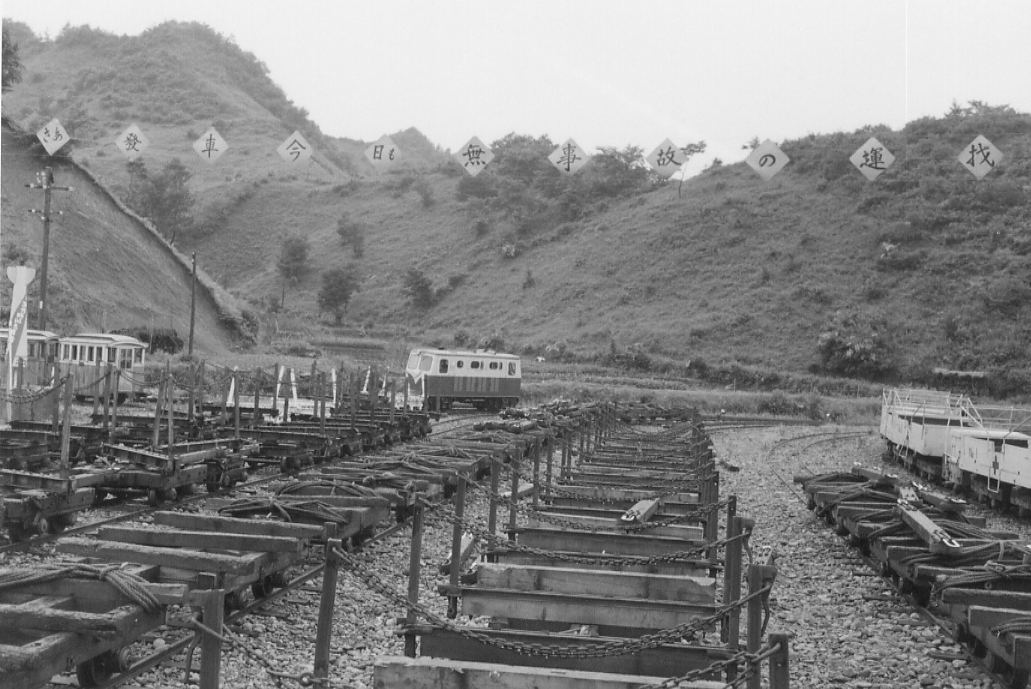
[
  {"x": 200, "y": 539},
  {"x": 692, "y": 590},
  {"x": 94, "y": 595},
  {"x": 195, "y": 560},
  {"x": 613, "y": 543},
  {"x": 46, "y": 619},
  {"x": 254, "y": 527},
  {"x": 450, "y": 674},
  {"x": 622, "y": 613}
]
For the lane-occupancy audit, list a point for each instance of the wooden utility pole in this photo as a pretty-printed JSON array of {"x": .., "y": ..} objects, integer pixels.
[
  {"x": 193, "y": 300},
  {"x": 45, "y": 181}
]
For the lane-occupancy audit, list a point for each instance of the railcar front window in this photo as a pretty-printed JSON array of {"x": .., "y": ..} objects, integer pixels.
[
  {"x": 426, "y": 363},
  {"x": 511, "y": 368}
]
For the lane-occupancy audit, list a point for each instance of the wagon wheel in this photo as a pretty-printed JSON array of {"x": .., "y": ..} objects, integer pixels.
[
  {"x": 94, "y": 671},
  {"x": 170, "y": 495},
  {"x": 234, "y": 600},
  {"x": 262, "y": 587},
  {"x": 42, "y": 526},
  {"x": 17, "y": 533},
  {"x": 99, "y": 495},
  {"x": 65, "y": 521},
  {"x": 153, "y": 497}
]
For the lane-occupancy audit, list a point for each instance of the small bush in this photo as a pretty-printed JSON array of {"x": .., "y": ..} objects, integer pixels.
[
  {"x": 425, "y": 192},
  {"x": 419, "y": 289}
]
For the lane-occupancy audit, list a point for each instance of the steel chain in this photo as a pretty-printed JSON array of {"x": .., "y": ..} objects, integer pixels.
[
  {"x": 579, "y": 526},
  {"x": 17, "y": 398},
  {"x": 504, "y": 544},
  {"x": 686, "y": 631}
]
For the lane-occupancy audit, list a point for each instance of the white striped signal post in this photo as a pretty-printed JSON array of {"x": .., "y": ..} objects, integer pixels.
[
  {"x": 474, "y": 156},
  {"x": 45, "y": 181},
  {"x": 568, "y": 158},
  {"x": 767, "y": 159},
  {"x": 18, "y": 327},
  {"x": 210, "y": 146},
  {"x": 980, "y": 157}
]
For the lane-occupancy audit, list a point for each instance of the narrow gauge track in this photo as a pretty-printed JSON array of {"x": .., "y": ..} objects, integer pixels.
[
  {"x": 903, "y": 588},
  {"x": 442, "y": 429}
]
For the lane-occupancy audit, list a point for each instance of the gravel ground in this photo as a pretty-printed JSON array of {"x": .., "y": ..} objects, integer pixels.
[{"x": 849, "y": 629}]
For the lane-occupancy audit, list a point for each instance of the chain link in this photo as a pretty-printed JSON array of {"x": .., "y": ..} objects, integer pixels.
[{"x": 684, "y": 632}]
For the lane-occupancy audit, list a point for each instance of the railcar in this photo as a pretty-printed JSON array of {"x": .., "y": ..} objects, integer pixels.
[
  {"x": 977, "y": 449},
  {"x": 439, "y": 378},
  {"x": 35, "y": 368},
  {"x": 88, "y": 355}
]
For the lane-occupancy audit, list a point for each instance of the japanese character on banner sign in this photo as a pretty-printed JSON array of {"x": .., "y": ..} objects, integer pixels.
[
  {"x": 383, "y": 154},
  {"x": 295, "y": 149},
  {"x": 474, "y": 156},
  {"x": 52, "y": 136},
  {"x": 767, "y": 159},
  {"x": 980, "y": 157},
  {"x": 667, "y": 159},
  {"x": 568, "y": 158},
  {"x": 872, "y": 159},
  {"x": 132, "y": 142},
  {"x": 210, "y": 146}
]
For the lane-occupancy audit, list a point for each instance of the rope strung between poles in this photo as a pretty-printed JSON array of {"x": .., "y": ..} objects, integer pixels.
[{"x": 130, "y": 585}]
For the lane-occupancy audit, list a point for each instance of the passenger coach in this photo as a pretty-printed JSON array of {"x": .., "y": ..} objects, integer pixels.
[
  {"x": 438, "y": 378},
  {"x": 88, "y": 355}
]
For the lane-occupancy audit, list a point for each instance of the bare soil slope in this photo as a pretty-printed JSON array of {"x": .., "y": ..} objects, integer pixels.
[{"x": 106, "y": 268}]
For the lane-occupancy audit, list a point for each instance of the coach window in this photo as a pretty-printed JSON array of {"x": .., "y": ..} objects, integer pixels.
[
  {"x": 89, "y": 354},
  {"x": 459, "y": 363},
  {"x": 998, "y": 445},
  {"x": 474, "y": 364},
  {"x": 112, "y": 355},
  {"x": 495, "y": 365},
  {"x": 443, "y": 365}
]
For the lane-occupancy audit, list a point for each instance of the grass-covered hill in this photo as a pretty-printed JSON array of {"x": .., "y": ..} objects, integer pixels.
[{"x": 817, "y": 270}]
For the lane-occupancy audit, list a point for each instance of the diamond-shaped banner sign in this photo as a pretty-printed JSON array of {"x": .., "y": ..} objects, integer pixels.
[
  {"x": 210, "y": 146},
  {"x": 980, "y": 157},
  {"x": 568, "y": 158},
  {"x": 295, "y": 149},
  {"x": 767, "y": 159},
  {"x": 667, "y": 159},
  {"x": 872, "y": 158},
  {"x": 52, "y": 136},
  {"x": 474, "y": 156},
  {"x": 383, "y": 154},
  {"x": 132, "y": 142}
]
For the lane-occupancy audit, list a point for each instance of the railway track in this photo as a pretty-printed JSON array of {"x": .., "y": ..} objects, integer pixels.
[
  {"x": 921, "y": 541},
  {"x": 482, "y": 449}
]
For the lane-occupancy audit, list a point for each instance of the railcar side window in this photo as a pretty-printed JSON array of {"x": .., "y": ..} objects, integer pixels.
[
  {"x": 474, "y": 364},
  {"x": 112, "y": 355},
  {"x": 459, "y": 363},
  {"x": 1017, "y": 443},
  {"x": 511, "y": 368},
  {"x": 998, "y": 445},
  {"x": 443, "y": 365},
  {"x": 495, "y": 365}
]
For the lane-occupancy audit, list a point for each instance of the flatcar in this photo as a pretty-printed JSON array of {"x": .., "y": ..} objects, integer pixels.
[
  {"x": 977, "y": 449},
  {"x": 87, "y": 356},
  {"x": 437, "y": 379}
]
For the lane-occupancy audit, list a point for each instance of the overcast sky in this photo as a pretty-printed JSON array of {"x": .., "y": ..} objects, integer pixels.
[{"x": 606, "y": 72}]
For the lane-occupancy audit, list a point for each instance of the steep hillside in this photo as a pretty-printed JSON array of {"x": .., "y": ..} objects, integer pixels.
[
  {"x": 106, "y": 269},
  {"x": 816, "y": 270}
]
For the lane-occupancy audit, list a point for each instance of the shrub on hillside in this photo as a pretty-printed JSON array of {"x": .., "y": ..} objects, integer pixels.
[
  {"x": 849, "y": 355},
  {"x": 159, "y": 339},
  {"x": 479, "y": 187},
  {"x": 419, "y": 289}
]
